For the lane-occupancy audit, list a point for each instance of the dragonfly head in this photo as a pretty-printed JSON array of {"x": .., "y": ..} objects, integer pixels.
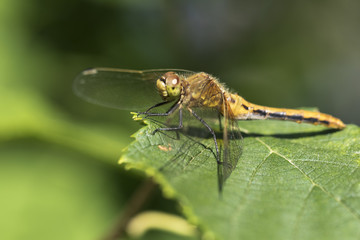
[{"x": 168, "y": 86}]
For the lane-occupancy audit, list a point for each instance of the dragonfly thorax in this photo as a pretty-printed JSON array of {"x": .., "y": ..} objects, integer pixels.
[{"x": 169, "y": 86}]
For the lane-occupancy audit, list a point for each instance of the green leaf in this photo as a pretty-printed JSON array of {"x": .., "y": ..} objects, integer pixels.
[{"x": 293, "y": 181}]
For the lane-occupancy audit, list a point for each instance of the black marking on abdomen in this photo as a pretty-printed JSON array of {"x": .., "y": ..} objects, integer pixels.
[
  {"x": 311, "y": 120},
  {"x": 295, "y": 117},
  {"x": 284, "y": 116},
  {"x": 260, "y": 112},
  {"x": 279, "y": 115},
  {"x": 325, "y": 122}
]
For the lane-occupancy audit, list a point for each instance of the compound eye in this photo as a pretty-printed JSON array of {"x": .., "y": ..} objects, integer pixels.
[
  {"x": 172, "y": 79},
  {"x": 173, "y": 86},
  {"x": 175, "y": 80}
]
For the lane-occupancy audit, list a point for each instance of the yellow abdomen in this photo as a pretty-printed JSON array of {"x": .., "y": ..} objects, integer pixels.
[{"x": 242, "y": 109}]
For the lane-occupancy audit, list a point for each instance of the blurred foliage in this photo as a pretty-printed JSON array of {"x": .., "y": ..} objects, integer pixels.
[{"x": 59, "y": 176}]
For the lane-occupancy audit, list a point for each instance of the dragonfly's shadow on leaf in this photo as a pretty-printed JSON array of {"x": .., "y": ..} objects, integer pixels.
[
  {"x": 188, "y": 148},
  {"x": 194, "y": 149},
  {"x": 193, "y": 146},
  {"x": 292, "y": 135},
  {"x": 191, "y": 153}
]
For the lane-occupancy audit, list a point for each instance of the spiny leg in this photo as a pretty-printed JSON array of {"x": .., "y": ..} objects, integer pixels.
[
  {"x": 212, "y": 133},
  {"x": 171, "y": 128},
  {"x": 155, "y": 106},
  {"x": 167, "y": 113}
]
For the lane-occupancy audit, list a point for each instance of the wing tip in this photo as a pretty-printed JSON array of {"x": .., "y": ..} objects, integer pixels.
[{"x": 90, "y": 71}]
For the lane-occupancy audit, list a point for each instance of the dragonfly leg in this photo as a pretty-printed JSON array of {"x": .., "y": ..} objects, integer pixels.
[
  {"x": 170, "y": 111},
  {"x": 172, "y": 128},
  {"x": 220, "y": 126},
  {"x": 155, "y": 106},
  {"x": 212, "y": 133}
]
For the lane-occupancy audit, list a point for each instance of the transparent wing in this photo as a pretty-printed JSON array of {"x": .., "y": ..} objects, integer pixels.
[
  {"x": 231, "y": 150},
  {"x": 121, "y": 88},
  {"x": 228, "y": 136}
]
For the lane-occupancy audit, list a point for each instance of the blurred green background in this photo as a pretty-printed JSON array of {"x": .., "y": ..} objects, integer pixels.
[{"x": 59, "y": 177}]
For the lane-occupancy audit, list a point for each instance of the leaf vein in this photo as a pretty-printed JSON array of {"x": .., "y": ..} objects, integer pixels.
[{"x": 337, "y": 199}]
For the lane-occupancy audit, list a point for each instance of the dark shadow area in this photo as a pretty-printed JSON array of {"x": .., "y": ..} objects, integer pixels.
[
  {"x": 292, "y": 135},
  {"x": 201, "y": 132}
]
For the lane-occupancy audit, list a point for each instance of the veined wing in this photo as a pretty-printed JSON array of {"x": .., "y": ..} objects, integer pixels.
[
  {"x": 231, "y": 147},
  {"x": 121, "y": 88}
]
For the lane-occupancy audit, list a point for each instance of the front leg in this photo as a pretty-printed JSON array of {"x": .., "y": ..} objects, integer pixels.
[
  {"x": 167, "y": 113},
  {"x": 155, "y": 106},
  {"x": 171, "y": 128},
  {"x": 172, "y": 109}
]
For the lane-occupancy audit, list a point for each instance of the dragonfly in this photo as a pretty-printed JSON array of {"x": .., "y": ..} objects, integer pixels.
[{"x": 191, "y": 93}]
